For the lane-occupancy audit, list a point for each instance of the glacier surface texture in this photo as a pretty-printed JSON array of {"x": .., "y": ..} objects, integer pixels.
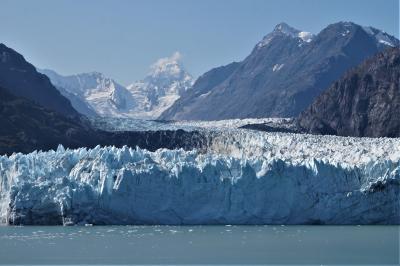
[{"x": 242, "y": 177}]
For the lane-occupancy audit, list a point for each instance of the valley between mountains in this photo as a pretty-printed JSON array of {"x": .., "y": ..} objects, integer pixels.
[{"x": 304, "y": 130}]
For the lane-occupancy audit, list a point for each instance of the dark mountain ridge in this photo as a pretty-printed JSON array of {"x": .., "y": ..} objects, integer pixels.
[
  {"x": 282, "y": 75},
  {"x": 365, "y": 102},
  {"x": 20, "y": 78},
  {"x": 27, "y": 126}
]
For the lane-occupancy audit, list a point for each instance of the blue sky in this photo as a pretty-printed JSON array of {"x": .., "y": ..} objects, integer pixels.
[{"x": 121, "y": 38}]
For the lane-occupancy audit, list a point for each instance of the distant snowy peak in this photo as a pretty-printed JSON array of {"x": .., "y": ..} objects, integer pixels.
[
  {"x": 383, "y": 39},
  {"x": 167, "y": 66},
  {"x": 98, "y": 92},
  {"x": 96, "y": 82},
  {"x": 168, "y": 70},
  {"x": 292, "y": 32},
  {"x": 84, "y": 83},
  {"x": 344, "y": 28},
  {"x": 163, "y": 85},
  {"x": 147, "y": 98},
  {"x": 104, "y": 94},
  {"x": 286, "y": 30}
]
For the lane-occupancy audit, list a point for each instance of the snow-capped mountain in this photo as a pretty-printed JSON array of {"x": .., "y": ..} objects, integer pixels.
[
  {"x": 96, "y": 91},
  {"x": 286, "y": 30},
  {"x": 93, "y": 93},
  {"x": 164, "y": 84},
  {"x": 282, "y": 75}
]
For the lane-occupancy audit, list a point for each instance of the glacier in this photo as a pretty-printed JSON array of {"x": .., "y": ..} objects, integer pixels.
[
  {"x": 130, "y": 124},
  {"x": 240, "y": 177}
]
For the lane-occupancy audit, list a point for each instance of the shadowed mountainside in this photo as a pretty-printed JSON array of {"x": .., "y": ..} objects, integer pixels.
[{"x": 364, "y": 102}]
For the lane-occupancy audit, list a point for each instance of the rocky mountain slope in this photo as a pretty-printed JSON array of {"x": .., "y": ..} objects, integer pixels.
[
  {"x": 282, "y": 75},
  {"x": 27, "y": 126},
  {"x": 365, "y": 102},
  {"x": 93, "y": 94},
  {"x": 21, "y": 79},
  {"x": 35, "y": 116}
]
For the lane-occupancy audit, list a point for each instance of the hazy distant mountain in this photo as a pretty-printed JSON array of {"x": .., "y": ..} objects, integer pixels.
[
  {"x": 20, "y": 78},
  {"x": 165, "y": 83},
  {"x": 285, "y": 71},
  {"x": 32, "y": 120},
  {"x": 365, "y": 102},
  {"x": 94, "y": 94}
]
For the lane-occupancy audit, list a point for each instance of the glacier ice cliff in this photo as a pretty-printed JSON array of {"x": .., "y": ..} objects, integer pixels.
[{"x": 243, "y": 178}]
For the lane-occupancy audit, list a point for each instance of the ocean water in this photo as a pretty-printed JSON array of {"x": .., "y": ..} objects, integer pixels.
[{"x": 188, "y": 245}]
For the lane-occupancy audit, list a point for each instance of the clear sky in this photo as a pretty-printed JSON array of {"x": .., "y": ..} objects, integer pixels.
[{"x": 121, "y": 38}]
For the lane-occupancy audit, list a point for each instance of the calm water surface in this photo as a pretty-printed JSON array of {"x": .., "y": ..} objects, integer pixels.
[{"x": 200, "y": 245}]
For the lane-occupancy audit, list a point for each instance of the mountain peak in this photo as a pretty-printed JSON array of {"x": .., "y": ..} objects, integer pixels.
[
  {"x": 168, "y": 70},
  {"x": 348, "y": 24},
  {"x": 286, "y": 30},
  {"x": 167, "y": 66},
  {"x": 148, "y": 98},
  {"x": 344, "y": 28}
]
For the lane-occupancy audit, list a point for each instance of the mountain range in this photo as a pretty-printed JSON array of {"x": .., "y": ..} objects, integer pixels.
[
  {"x": 283, "y": 74},
  {"x": 94, "y": 94},
  {"x": 35, "y": 114}
]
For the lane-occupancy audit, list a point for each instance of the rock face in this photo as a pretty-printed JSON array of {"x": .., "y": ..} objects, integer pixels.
[
  {"x": 365, "y": 102},
  {"x": 134, "y": 186},
  {"x": 93, "y": 94},
  {"x": 201, "y": 89},
  {"x": 35, "y": 116},
  {"x": 26, "y": 126},
  {"x": 282, "y": 75},
  {"x": 21, "y": 79}
]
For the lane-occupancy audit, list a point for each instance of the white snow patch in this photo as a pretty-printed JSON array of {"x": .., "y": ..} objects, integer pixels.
[
  {"x": 277, "y": 67},
  {"x": 283, "y": 28},
  {"x": 386, "y": 43},
  {"x": 205, "y": 94},
  {"x": 306, "y": 36},
  {"x": 381, "y": 36},
  {"x": 345, "y": 33}
]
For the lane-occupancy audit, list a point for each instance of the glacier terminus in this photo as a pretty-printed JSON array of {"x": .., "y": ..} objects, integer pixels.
[{"x": 240, "y": 176}]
